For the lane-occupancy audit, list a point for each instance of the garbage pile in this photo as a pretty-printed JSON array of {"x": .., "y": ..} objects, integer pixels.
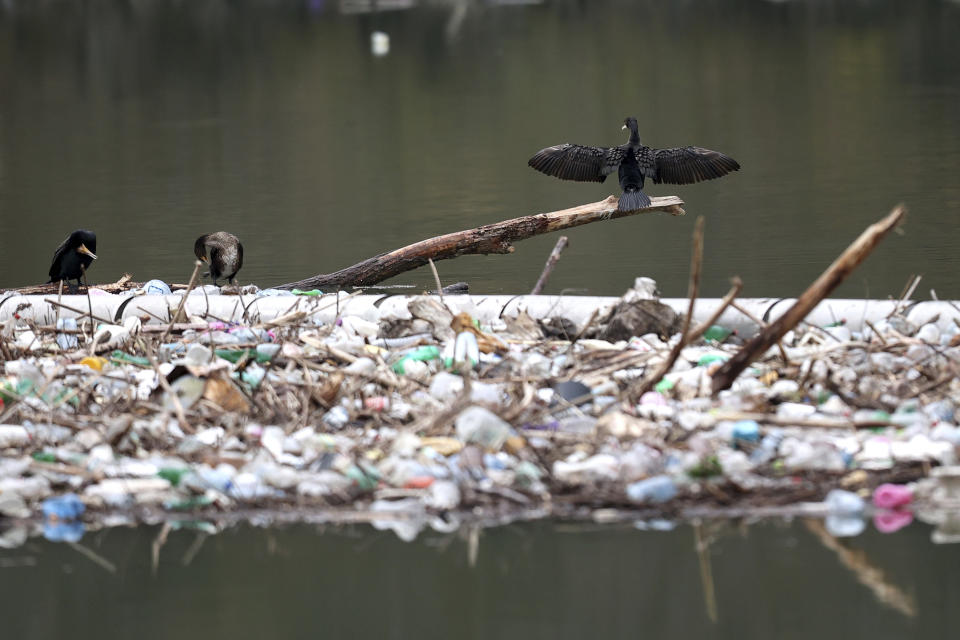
[{"x": 428, "y": 417}]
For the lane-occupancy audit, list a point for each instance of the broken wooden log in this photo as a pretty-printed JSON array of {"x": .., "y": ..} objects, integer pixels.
[
  {"x": 125, "y": 283},
  {"x": 491, "y": 238},
  {"x": 836, "y": 273}
]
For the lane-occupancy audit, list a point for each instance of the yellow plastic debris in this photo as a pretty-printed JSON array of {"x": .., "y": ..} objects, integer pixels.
[
  {"x": 442, "y": 445},
  {"x": 94, "y": 362}
]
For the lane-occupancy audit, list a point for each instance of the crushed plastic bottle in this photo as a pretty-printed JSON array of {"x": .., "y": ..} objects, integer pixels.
[
  {"x": 421, "y": 354},
  {"x": 767, "y": 450},
  {"x": 482, "y": 426},
  {"x": 656, "y": 490},
  {"x": 64, "y": 507},
  {"x": 156, "y": 287},
  {"x": 67, "y": 341}
]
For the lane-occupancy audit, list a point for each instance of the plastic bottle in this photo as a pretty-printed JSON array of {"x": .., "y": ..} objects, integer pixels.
[
  {"x": 476, "y": 424},
  {"x": 337, "y": 417},
  {"x": 156, "y": 288},
  {"x": 67, "y": 341},
  {"x": 746, "y": 431},
  {"x": 65, "y": 507},
  {"x": 843, "y": 502},
  {"x": 892, "y": 496},
  {"x": 466, "y": 351},
  {"x": 767, "y": 449},
  {"x": 422, "y": 354},
  {"x": 716, "y": 333},
  {"x": 203, "y": 478},
  {"x": 657, "y": 489}
]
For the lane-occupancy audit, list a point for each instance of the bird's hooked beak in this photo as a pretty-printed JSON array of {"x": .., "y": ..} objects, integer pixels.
[
  {"x": 203, "y": 258},
  {"x": 623, "y": 127},
  {"x": 83, "y": 249}
]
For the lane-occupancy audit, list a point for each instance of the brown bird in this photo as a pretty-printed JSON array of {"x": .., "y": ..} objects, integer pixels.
[
  {"x": 634, "y": 162},
  {"x": 226, "y": 254}
]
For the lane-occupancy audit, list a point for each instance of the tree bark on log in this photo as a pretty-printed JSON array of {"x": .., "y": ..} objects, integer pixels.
[
  {"x": 491, "y": 238},
  {"x": 836, "y": 273},
  {"x": 123, "y": 284}
]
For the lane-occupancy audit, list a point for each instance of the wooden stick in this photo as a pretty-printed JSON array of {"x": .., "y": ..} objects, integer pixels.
[
  {"x": 813, "y": 423},
  {"x": 147, "y": 328},
  {"x": 551, "y": 263},
  {"x": 836, "y": 273},
  {"x": 183, "y": 301},
  {"x": 93, "y": 327},
  {"x": 761, "y": 324},
  {"x": 491, "y": 238},
  {"x": 59, "y": 299},
  {"x": 436, "y": 279},
  {"x": 736, "y": 286},
  {"x": 868, "y": 573},
  {"x": 122, "y": 284},
  {"x": 696, "y": 260},
  {"x": 702, "y": 547},
  {"x": 75, "y": 310},
  {"x": 908, "y": 290}
]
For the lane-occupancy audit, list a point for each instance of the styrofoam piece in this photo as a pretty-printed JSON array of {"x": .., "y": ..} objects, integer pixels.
[{"x": 252, "y": 309}]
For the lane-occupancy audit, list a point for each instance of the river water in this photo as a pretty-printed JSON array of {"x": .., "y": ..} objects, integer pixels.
[
  {"x": 773, "y": 580},
  {"x": 152, "y": 122}
]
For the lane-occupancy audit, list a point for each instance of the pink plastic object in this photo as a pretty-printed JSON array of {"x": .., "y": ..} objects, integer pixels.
[
  {"x": 377, "y": 403},
  {"x": 653, "y": 398},
  {"x": 891, "y": 496},
  {"x": 890, "y": 521}
]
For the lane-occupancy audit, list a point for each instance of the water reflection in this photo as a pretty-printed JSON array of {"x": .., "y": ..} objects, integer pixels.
[{"x": 526, "y": 580}]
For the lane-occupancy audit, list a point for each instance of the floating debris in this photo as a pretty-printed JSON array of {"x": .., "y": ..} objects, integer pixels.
[{"x": 425, "y": 410}]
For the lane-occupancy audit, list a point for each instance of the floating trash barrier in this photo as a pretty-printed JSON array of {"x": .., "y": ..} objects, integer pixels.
[{"x": 416, "y": 411}]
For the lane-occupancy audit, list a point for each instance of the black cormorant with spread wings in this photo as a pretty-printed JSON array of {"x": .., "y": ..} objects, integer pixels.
[
  {"x": 634, "y": 162},
  {"x": 74, "y": 256}
]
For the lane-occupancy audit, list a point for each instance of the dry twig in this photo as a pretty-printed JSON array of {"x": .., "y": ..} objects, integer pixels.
[
  {"x": 551, "y": 263},
  {"x": 696, "y": 261},
  {"x": 827, "y": 282}
]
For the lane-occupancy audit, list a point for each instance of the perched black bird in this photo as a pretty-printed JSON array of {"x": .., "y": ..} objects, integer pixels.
[
  {"x": 634, "y": 162},
  {"x": 226, "y": 254},
  {"x": 74, "y": 256}
]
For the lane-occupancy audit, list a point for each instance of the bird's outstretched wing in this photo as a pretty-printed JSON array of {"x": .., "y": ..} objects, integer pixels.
[
  {"x": 686, "y": 165},
  {"x": 576, "y": 162},
  {"x": 57, "y": 259}
]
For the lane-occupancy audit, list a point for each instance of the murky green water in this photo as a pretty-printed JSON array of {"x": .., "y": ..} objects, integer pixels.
[
  {"x": 152, "y": 122},
  {"x": 529, "y": 581}
]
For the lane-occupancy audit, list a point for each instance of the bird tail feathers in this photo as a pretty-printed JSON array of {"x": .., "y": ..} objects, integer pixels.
[{"x": 633, "y": 200}]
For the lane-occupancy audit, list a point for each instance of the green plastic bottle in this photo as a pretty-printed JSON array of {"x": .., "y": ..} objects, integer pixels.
[
  {"x": 423, "y": 354},
  {"x": 716, "y": 333}
]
